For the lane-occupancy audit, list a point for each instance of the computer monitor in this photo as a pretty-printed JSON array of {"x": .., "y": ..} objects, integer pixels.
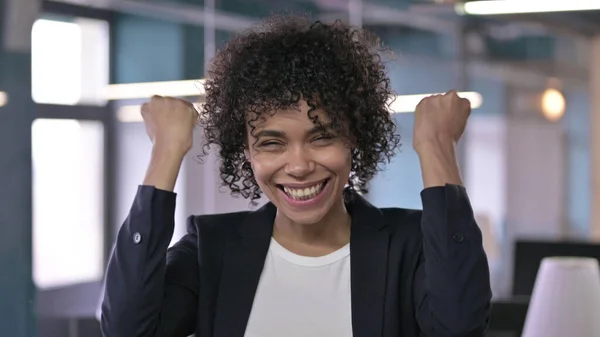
[{"x": 529, "y": 254}]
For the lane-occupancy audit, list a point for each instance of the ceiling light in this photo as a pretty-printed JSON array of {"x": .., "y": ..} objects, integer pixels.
[
  {"x": 149, "y": 89},
  {"x": 133, "y": 113},
  {"x": 498, "y": 7},
  {"x": 408, "y": 103},
  {"x": 401, "y": 104}
]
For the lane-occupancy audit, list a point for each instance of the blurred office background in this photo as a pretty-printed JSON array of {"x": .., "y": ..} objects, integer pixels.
[{"x": 73, "y": 149}]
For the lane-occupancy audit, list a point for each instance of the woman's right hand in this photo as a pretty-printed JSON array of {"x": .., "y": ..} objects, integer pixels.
[
  {"x": 170, "y": 125},
  {"x": 170, "y": 122}
]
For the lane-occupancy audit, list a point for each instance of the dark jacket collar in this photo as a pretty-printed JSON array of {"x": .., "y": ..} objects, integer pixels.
[{"x": 259, "y": 223}]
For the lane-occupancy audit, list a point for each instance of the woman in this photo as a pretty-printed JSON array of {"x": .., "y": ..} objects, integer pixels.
[{"x": 299, "y": 113}]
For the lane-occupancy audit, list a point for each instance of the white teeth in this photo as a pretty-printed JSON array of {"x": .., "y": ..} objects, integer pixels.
[{"x": 304, "y": 193}]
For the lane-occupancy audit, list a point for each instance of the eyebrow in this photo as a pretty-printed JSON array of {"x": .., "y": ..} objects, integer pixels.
[
  {"x": 280, "y": 134},
  {"x": 269, "y": 133}
]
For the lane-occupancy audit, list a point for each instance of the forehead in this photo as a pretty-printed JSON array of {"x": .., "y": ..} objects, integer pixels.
[{"x": 294, "y": 118}]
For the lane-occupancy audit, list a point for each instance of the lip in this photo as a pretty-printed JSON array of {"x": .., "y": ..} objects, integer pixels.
[
  {"x": 304, "y": 185},
  {"x": 307, "y": 203}
]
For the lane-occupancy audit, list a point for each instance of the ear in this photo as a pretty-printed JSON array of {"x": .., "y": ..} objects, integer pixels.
[{"x": 247, "y": 154}]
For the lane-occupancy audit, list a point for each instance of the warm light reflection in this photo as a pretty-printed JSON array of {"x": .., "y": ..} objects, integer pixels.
[
  {"x": 553, "y": 105},
  {"x": 3, "y": 98}
]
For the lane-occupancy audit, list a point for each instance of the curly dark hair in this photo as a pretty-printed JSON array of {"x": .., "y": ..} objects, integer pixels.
[{"x": 333, "y": 67}]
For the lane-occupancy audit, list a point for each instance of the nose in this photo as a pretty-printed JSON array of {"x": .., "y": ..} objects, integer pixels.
[{"x": 299, "y": 162}]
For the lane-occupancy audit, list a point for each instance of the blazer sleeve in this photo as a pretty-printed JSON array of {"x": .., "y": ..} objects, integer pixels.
[
  {"x": 452, "y": 291},
  {"x": 151, "y": 291}
]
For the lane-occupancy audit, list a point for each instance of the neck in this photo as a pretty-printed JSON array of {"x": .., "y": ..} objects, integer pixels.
[{"x": 321, "y": 238}]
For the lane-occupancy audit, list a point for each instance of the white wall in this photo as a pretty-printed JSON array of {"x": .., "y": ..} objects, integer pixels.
[
  {"x": 536, "y": 179},
  {"x": 486, "y": 176}
]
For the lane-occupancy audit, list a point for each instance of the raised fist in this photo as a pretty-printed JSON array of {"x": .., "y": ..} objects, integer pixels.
[
  {"x": 170, "y": 122},
  {"x": 440, "y": 119}
]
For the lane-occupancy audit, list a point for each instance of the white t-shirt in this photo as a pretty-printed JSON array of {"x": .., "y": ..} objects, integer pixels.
[{"x": 301, "y": 296}]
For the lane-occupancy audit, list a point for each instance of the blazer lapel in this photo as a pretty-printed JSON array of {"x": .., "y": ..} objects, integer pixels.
[
  {"x": 243, "y": 263},
  {"x": 368, "y": 258}
]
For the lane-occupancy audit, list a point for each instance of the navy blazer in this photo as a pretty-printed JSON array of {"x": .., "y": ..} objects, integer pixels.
[{"x": 413, "y": 273}]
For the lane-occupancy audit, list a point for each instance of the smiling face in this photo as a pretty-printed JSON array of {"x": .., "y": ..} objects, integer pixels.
[{"x": 301, "y": 167}]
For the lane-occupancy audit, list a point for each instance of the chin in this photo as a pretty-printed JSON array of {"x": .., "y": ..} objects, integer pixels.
[
  {"x": 307, "y": 219},
  {"x": 307, "y": 208}
]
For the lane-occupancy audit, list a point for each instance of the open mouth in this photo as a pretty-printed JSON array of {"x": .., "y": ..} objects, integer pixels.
[{"x": 303, "y": 194}]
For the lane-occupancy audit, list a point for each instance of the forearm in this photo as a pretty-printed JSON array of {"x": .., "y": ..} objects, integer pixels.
[
  {"x": 135, "y": 277},
  {"x": 453, "y": 290},
  {"x": 439, "y": 165},
  {"x": 164, "y": 167}
]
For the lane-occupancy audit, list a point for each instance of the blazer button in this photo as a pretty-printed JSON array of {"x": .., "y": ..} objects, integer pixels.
[
  {"x": 137, "y": 238},
  {"x": 458, "y": 237}
]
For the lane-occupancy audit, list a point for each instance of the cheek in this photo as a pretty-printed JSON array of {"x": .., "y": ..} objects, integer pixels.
[
  {"x": 338, "y": 159},
  {"x": 263, "y": 169}
]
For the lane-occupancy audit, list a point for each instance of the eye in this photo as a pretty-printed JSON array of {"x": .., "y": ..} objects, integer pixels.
[
  {"x": 270, "y": 144},
  {"x": 323, "y": 138}
]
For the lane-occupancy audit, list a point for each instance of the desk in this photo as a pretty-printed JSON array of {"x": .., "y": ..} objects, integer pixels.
[{"x": 508, "y": 316}]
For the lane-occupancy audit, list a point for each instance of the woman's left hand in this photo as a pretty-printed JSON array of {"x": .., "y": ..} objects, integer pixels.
[{"x": 440, "y": 120}]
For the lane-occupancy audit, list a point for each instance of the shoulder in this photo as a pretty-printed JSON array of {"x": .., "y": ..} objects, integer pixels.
[
  {"x": 222, "y": 224},
  {"x": 207, "y": 235},
  {"x": 401, "y": 217},
  {"x": 406, "y": 237},
  {"x": 403, "y": 223}
]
